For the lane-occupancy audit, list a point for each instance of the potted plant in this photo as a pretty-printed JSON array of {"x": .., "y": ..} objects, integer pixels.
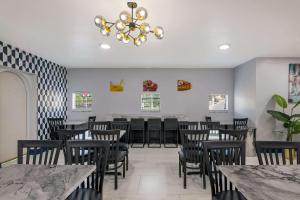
[{"x": 291, "y": 121}]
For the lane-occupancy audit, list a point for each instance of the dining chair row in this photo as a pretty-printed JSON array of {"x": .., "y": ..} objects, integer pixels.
[
  {"x": 118, "y": 157},
  {"x": 191, "y": 153},
  {"x": 217, "y": 153},
  {"x": 79, "y": 152}
]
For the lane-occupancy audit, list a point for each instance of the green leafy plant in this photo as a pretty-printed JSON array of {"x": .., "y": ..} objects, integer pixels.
[{"x": 290, "y": 121}]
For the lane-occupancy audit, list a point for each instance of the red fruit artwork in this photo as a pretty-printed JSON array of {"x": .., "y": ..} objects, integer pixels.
[{"x": 149, "y": 85}]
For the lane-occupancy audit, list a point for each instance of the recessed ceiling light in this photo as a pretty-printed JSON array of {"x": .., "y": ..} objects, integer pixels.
[
  {"x": 105, "y": 46},
  {"x": 224, "y": 46}
]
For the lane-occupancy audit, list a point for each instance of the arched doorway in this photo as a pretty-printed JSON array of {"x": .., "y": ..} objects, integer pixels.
[{"x": 17, "y": 111}]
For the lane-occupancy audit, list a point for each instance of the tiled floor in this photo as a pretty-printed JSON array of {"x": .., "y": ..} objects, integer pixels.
[{"x": 153, "y": 174}]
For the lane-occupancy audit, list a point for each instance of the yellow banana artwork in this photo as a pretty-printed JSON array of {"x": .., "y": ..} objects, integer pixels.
[{"x": 116, "y": 87}]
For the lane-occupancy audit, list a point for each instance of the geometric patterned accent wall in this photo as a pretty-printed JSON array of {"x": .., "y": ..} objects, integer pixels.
[{"x": 51, "y": 82}]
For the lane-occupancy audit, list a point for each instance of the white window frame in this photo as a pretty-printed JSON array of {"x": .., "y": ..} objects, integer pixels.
[
  {"x": 84, "y": 109},
  {"x": 152, "y": 108},
  {"x": 219, "y": 110}
]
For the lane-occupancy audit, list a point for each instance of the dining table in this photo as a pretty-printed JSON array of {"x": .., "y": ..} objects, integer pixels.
[
  {"x": 265, "y": 182},
  {"x": 42, "y": 182}
]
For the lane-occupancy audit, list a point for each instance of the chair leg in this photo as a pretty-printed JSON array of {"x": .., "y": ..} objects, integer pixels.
[
  {"x": 179, "y": 168},
  {"x": 116, "y": 176},
  {"x": 203, "y": 173},
  {"x": 148, "y": 136},
  {"x": 184, "y": 175},
  {"x": 124, "y": 167},
  {"x": 160, "y": 139},
  {"x": 127, "y": 161}
]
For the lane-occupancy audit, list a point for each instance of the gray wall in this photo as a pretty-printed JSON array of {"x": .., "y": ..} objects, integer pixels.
[
  {"x": 193, "y": 103},
  {"x": 245, "y": 91},
  {"x": 271, "y": 78},
  {"x": 255, "y": 83}
]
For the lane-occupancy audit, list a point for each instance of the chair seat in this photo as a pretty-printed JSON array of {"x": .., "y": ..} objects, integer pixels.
[
  {"x": 189, "y": 160},
  {"x": 120, "y": 157},
  {"x": 229, "y": 195},
  {"x": 85, "y": 194},
  {"x": 123, "y": 147}
]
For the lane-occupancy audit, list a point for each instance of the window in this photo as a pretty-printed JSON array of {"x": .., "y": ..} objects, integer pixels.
[
  {"x": 82, "y": 101},
  {"x": 218, "y": 102},
  {"x": 150, "y": 102}
]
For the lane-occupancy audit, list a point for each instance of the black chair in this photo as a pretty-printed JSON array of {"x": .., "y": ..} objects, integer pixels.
[
  {"x": 97, "y": 151},
  {"x": 90, "y": 120},
  {"x": 122, "y": 125},
  {"x": 210, "y": 125},
  {"x": 233, "y": 135},
  {"x": 186, "y": 125},
  {"x": 240, "y": 123},
  {"x": 116, "y": 157},
  {"x": 99, "y": 126},
  {"x": 39, "y": 152},
  {"x": 154, "y": 131},
  {"x": 171, "y": 133},
  {"x": 208, "y": 119},
  {"x": 54, "y": 125},
  {"x": 214, "y": 153},
  {"x": 274, "y": 152},
  {"x": 120, "y": 120},
  {"x": 65, "y": 135},
  {"x": 213, "y": 127},
  {"x": 191, "y": 153},
  {"x": 137, "y": 132}
]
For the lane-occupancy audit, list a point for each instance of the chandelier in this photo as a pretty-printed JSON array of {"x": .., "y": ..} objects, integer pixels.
[{"x": 130, "y": 27}]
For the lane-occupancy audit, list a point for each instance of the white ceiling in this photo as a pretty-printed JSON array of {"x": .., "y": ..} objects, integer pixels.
[{"x": 63, "y": 31}]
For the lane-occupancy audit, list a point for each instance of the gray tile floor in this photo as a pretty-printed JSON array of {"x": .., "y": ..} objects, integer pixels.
[{"x": 153, "y": 174}]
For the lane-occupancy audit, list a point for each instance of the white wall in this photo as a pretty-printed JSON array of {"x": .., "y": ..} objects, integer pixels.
[
  {"x": 18, "y": 118},
  {"x": 245, "y": 91},
  {"x": 271, "y": 78},
  {"x": 255, "y": 83},
  {"x": 193, "y": 103}
]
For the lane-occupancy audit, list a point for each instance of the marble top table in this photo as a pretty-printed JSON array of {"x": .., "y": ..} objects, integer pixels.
[
  {"x": 265, "y": 182},
  {"x": 20, "y": 182},
  {"x": 74, "y": 122}
]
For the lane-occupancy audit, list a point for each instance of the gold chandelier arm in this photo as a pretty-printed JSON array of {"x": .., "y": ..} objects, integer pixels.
[{"x": 131, "y": 36}]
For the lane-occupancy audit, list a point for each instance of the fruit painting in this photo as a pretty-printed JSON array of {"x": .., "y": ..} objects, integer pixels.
[
  {"x": 116, "y": 87},
  {"x": 183, "y": 85},
  {"x": 150, "y": 86}
]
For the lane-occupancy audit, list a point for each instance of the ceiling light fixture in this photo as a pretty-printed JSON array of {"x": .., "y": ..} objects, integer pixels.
[
  {"x": 130, "y": 27},
  {"x": 105, "y": 46},
  {"x": 224, "y": 46}
]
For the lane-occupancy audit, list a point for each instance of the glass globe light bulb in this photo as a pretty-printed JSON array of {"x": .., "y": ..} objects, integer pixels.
[
  {"x": 125, "y": 16},
  {"x": 126, "y": 39},
  {"x": 100, "y": 21},
  {"x": 158, "y": 32},
  {"x": 141, "y": 13},
  {"x": 143, "y": 38},
  {"x": 137, "y": 41},
  {"x": 105, "y": 31},
  {"x": 120, "y": 26},
  {"x": 120, "y": 36},
  {"x": 145, "y": 28}
]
